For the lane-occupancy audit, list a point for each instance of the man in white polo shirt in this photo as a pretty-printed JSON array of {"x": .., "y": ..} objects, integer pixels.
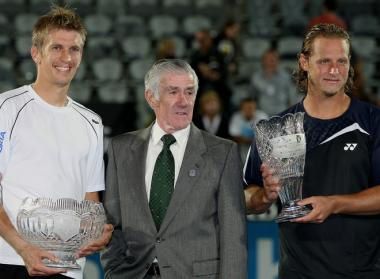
[{"x": 50, "y": 146}]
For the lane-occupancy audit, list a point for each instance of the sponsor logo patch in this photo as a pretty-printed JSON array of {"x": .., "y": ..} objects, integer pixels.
[
  {"x": 2, "y": 137},
  {"x": 350, "y": 146}
]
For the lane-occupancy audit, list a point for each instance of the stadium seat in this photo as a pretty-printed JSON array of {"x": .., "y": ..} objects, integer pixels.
[
  {"x": 136, "y": 47},
  {"x": 128, "y": 25},
  {"x": 100, "y": 47},
  {"x": 138, "y": 69},
  {"x": 210, "y": 8},
  {"x": 145, "y": 8},
  {"x": 195, "y": 23},
  {"x": 177, "y": 8},
  {"x": 7, "y": 72},
  {"x": 83, "y": 7},
  {"x": 367, "y": 25},
  {"x": 23, "y": 44},
  {"x": 28, "y": 71},
  {"x": 98, "y": 24},
  {"x": 39, "y": 6},
  {"x": 11, "y": 8},
  {"x": 114, "y": 92},
  {"x": 110, "y": 7},
  {"x": 80, "y": 91},
  {"x": 163, "y": 25},
  {"x": 288, "y": 47},
  {"x": 365, "y": 46},
  {"x": 107, "y": 69},
  {"x": 254, "y": 48},
  {"x": 24, "y": 23}
]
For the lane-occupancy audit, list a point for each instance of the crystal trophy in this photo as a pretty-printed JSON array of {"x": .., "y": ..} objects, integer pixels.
[
  {"x": 281, "y": 144},
  {"x": 60, "y": 226}
]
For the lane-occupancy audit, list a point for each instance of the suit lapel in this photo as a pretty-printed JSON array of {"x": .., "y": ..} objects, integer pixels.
[
  {"x": 136, "y": 173},
  {"x": 189, "y": 173}
]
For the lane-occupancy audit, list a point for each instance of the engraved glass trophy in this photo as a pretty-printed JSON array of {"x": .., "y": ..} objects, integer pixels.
[
  {"x": 60, "y": 226},
  {"x": 281, "y": 145}
]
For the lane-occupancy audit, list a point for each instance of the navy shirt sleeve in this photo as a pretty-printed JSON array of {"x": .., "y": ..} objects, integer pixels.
[{"x": 252, "y": 173}]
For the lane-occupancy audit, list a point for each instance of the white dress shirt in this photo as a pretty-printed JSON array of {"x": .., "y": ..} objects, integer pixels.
[{"x": 155, "y": 147}]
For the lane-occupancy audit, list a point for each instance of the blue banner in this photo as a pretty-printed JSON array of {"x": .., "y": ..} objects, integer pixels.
[{"x": 263, "y": 250}]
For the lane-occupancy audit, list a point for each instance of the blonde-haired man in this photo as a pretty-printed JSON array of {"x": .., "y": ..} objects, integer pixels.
[{"x": 51, "y": 145}]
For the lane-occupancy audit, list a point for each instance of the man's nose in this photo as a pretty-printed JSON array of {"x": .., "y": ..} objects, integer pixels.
[
  {"x": 66, "y": 55},
  {"x": 334, "y": 70},
  {"x": 183, "y": 99}
]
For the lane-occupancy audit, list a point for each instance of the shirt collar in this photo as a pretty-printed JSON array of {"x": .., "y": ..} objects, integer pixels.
[{"x": 180, "y": 136}]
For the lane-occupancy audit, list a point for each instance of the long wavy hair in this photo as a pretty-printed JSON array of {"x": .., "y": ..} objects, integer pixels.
[{"x": 325, "y": 31}]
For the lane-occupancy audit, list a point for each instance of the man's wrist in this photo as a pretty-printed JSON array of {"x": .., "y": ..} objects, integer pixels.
[{"x": 265, "y": 200}]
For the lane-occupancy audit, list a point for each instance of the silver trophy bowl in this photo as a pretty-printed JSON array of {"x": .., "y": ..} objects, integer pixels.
[
  {"x": 281, "y": 145},
  {"x": 60, "y": 226}
]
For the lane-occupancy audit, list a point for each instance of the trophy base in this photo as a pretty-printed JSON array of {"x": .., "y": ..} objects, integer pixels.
[
  {"x": 66, "y": 260},
  {"x": 291, "y": 212}
]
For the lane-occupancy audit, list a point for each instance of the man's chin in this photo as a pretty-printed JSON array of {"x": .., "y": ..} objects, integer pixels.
[
  {"x": 63, "y": 83},
  {"x": 330, "y": 94}
]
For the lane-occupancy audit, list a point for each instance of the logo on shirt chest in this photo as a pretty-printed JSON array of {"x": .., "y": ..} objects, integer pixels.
[
  {"x": 350, "y": 146},
  {"x": 2, "y": 136}
]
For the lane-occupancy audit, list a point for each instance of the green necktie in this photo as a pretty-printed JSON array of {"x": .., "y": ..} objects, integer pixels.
[{"x": 162, "y": 186}]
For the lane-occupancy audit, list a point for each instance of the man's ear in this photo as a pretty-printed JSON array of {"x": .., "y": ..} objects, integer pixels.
[
  {"x": 36, "y": 56},
  {"x": 151, "y": 99},
  {"x": 304, "y": 62}
]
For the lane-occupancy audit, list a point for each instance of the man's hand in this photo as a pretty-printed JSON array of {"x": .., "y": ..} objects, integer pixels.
[
  {"x": 323, "y": 207},
  {"x": 97, "y": 244},
  {"x": 33, "y": 257},
  {"x": 271, "y": 184}
]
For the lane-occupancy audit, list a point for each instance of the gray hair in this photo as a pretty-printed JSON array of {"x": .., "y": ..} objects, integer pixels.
[{"x": 153, "y": 76}]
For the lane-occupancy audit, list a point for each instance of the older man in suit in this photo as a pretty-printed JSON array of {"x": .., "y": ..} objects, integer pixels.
[{"x": 174, "y": 193}]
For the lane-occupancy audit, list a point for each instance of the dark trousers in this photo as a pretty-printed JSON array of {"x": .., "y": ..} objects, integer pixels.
[{"x": 19, "y": 272}]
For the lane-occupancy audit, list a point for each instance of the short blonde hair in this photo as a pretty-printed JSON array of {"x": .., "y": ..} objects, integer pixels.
[{"x": 58, "y": 18}]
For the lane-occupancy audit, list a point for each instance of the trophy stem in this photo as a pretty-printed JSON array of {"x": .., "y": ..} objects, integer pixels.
[
  {"x": 290, "y": 194},
  {"x": 66, "y": 260},
  {"x": 292, "y": 211}
]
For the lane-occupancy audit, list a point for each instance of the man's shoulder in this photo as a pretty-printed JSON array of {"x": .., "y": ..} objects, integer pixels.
[
  {"x": 358, "y": 105},
  {"x": 132, "y": 136},
  {"x": 88, "y": 113},
  {"x": 298, "y": 107},
  {"x": 211, "y": 140},
  {"x": 14, "y": 97},
  {"x": 366, "y": 114}
]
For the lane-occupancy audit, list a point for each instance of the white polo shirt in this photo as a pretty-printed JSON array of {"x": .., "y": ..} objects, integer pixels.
[{"x": 46, "y": 151}]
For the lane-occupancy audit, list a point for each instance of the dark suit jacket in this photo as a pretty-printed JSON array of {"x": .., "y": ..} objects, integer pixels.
[{"x": 203, "y": 233}]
